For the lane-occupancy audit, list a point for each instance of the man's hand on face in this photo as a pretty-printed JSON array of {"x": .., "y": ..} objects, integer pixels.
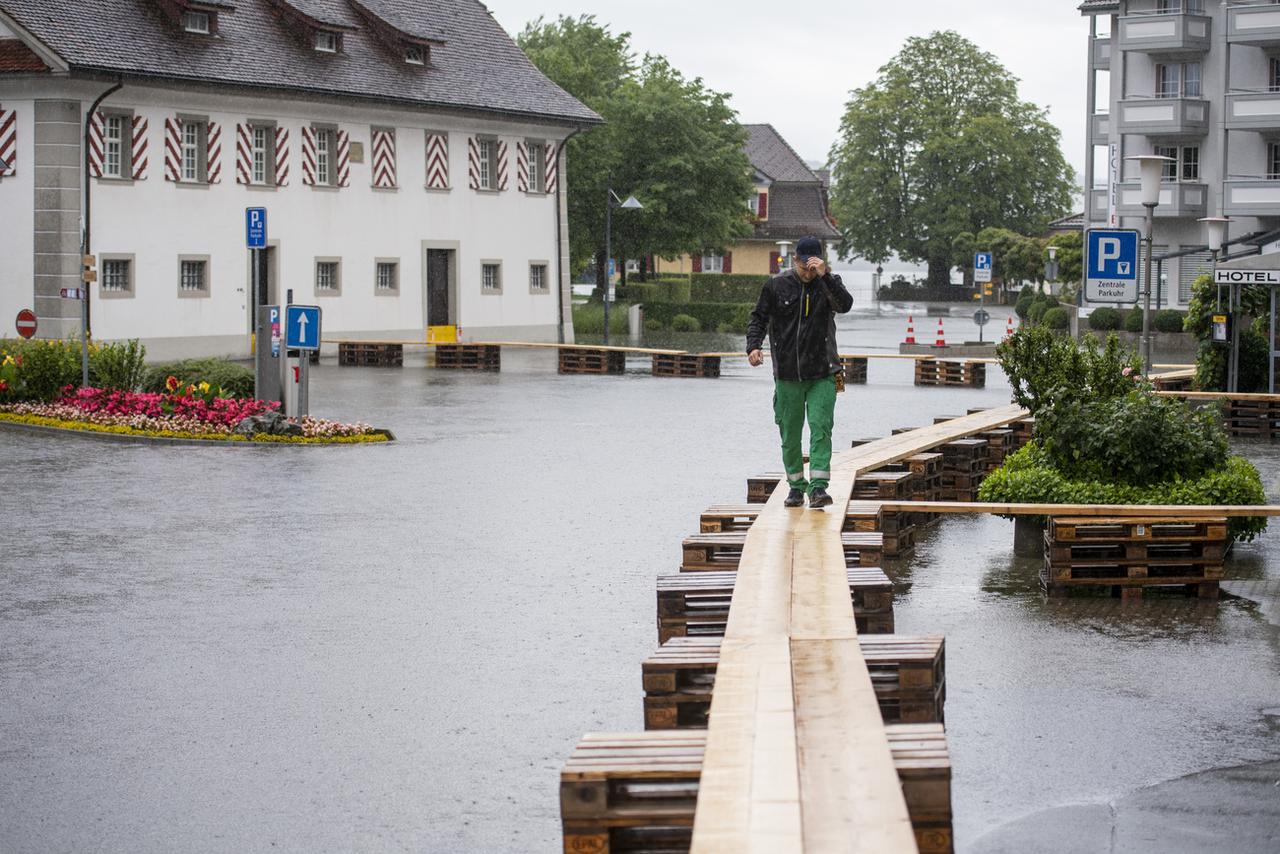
[{"x": 818, "y": 266}]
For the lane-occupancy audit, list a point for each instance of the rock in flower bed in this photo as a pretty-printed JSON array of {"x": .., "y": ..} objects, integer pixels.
[{"x": 194, "y": 413}]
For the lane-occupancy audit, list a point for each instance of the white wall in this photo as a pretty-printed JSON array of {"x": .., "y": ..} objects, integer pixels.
[{"x": 17, "y": 222}]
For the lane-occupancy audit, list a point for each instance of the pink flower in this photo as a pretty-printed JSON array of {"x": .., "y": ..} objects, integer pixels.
[{"x": 1127, "y": 371}]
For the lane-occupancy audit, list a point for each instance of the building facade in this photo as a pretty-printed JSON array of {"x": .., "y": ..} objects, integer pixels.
[
  {"x": 409, "y": 157},
  {"x": 1197, "y": 81},
  {"x": 789, "y": 202}
]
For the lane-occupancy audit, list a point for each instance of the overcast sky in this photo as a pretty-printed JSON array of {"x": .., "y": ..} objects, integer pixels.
[{"x": 794, "y": 64}]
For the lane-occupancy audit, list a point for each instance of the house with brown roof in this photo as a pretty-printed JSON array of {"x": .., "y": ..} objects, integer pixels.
[
  {"x": 790, "y": 202},
  {"x": 409, "y": 156}
]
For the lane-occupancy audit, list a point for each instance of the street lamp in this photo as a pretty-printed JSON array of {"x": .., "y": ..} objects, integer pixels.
[
  {"x": 1051, "y": 269},
  {"x": 1151, "y": 167},
  {"x": 1215, "y": 233},
  {"x": 784, "y": 252},
  {"x": 612, "y": 201}
]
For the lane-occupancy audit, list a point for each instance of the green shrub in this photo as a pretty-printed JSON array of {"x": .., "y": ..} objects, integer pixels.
[
  {"x": 1023, "y": 306},
  {"x": 1027, "y": 477},
  {"x": 1035, "y": 314},
  {"x": 1133, "y": 320},
  {"x": 710, "y": 315},
  {"x": 1105, "y": 319},
  {"x": 656, "y": 291},
  {"x": 1168, "y": 320},
  {"x": 726, "y": 287},
  {"x": 1044, "y": 367},
  {"x": 42, "y": 367},
  {"x": 685, "y": 323},
  {"x": 652, "y": 325},
  {"x": 1056, "y": 318},
  {"x": 233, "y": 378},
  {"x": 118, "y": 366}
]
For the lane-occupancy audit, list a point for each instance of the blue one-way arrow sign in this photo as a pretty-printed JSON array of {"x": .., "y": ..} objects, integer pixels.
[{"x": 302, "y": 327}]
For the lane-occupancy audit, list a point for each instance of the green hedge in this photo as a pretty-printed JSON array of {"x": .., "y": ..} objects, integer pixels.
[
  {"x": 675, "y": 291},
  {"x": 1056, "y": 318},
  {"x": 1104, "y": 319},
  {"x": 1133, "y": 321},
  {"x": 1026, "y": 477},
  {"x": 726, "y": 287},
  {"x": 1168, "y": 320},
  {"x": 710, "y": 315},
  {"x": 232, "y": 377}
]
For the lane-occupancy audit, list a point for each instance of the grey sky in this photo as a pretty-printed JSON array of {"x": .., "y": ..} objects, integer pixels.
[{"x": 794, "y": 64}]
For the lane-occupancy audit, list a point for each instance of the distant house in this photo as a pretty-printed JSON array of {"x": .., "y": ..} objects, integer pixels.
[
  {"x": 1073, "y": 224},
  {"x": 790, "y": 202}
]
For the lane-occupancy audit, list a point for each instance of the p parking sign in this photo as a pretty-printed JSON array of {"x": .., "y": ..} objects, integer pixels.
[{"x": 1111, "y": 265}]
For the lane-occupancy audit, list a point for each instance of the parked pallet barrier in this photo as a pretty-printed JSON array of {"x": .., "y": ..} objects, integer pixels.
[
  {"x": 685, "y": 365},
  {"x": 370, "y": 354},
  {"x": 940, "y": 372},
  {"x": 591, "y": 361},
  {"x": 468, "y": 357},
  {"x": 721, "y": 552}
]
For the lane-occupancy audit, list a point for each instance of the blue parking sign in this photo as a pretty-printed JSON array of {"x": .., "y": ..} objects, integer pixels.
[
  {"x": 1111, "y": 265},
  {"x": 302, "y": 327},
  {"x": 255, "y": 228}
]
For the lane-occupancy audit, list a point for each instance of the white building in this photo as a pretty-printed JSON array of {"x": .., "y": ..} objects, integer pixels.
[
  {"x": 1197, "y": 81},
  {"x": 408, "y": 154}
]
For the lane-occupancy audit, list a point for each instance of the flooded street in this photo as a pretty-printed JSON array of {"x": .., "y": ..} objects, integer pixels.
[{"x": 395, "y": 648}]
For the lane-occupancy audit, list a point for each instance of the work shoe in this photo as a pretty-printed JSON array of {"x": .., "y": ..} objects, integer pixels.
[
  {"x": 795, "y": 498},
  {"x": 818, "y": 497}
]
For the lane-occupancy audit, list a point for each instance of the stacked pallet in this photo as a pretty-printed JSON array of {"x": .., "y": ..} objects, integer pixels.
[
  {"x": 685, "y": 365},
  {"x": 945, "y": 373},
  {"x": 1023, "y": 431},
  {"x": 854, "y": 369},
  {"x": 964, "y": 464},
  {"x": 1000, "y": 444},
  {"x": 696, "y": 604},
  {"x": 719, "y": 552},
  {"x": 860, "y": 516},
  {"x": 370, "y": 354},
  {"x": 637, "y": 792},
  {"x": 469, "y": 357},
  {"x": 590, "y": 360},
  {"x": 1253, "y": 417},
  {"x": 760, "y": 487},
  {"x": 908, "y": 674},
  {"x": 885, "y": 484},
  {"x": 1131, "y": 554}
]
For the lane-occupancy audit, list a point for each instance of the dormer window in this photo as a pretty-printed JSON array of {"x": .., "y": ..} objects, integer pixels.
[
  {"x": 197, "y": 22},
  {"x": 415, "y": 54},
  {"x": 326, "y": 41}
]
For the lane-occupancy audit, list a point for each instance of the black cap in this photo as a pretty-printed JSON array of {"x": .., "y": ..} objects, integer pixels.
[{"x": 809, "y": 247}]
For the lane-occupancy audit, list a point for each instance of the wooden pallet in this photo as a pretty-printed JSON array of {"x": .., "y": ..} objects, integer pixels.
[
  {"x": 1133, "y": 553},
  {"x": 940, "y": 372},
  {"x": 468, "y": 357},
  {"x": 686, "y": 365},
  {"x": 723, "y": 518},
  {"x": 760, "y": 487},
  {"x": 908, "y": 674},
  {"x": 854, "y": 370},
  {"x": 1000, "y": 444},
  {"x": 578, "y": 360},
  {"x": 370, "y": 354},
  {"x": 885, "y": 485},
  {"x": 1252, "y": 417},
  {"x": 638, "y": 792},
  {"x": 721, "y": 552},
  {"x": 696, "y": 604}
]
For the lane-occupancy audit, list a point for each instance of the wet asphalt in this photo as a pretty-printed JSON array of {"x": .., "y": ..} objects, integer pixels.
[{"x": 395, "y": 648}]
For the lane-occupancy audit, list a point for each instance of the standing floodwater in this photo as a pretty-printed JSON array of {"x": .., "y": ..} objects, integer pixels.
[{"x": 395, "y": 648}]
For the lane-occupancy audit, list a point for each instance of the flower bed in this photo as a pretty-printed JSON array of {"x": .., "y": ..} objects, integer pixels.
[{"x": 197, "y": 414}]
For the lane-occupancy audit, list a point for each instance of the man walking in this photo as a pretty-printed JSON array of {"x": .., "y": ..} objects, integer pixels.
[{"x": 798, "y": 310}]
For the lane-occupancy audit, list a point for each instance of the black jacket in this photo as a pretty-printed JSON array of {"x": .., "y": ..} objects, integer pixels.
[{"x": 801, "y": 322}]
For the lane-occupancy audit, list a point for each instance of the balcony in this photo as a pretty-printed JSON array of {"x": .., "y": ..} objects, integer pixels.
[
  {"x": 1254, "y": 25},
  {"x": 1165, "y": 33},
  {"x": 1251, "y": 198},
  {"x": 1098, "y": 206},
  {"x": 1177, "y": 200},
  {"x": 1164, "y": 116},
  {"x": 1100, "y": 129},
  {"x": 1254, "y": 111},
  {"x": 1101, "y": 54}
]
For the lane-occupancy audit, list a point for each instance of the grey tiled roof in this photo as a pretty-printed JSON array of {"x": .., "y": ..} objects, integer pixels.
[
  {"x": 795, "y": 210},
  {"x": 478, "y": 69},
  {"x": 1094, "y": 7},
  {"x": 771, "y": 154}
]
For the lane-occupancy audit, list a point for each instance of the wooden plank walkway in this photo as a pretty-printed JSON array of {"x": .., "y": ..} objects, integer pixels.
[{"x": 797, "y": 759}]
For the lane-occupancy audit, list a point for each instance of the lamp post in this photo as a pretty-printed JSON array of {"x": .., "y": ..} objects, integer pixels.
[
  {"x": 1215, "y": 233},
  {"x": 1151, "y": 168},
  {"x": 612, "y": 201},
  {"x": 784, "y": 252},
  {"x": 1051, "y": 269}
]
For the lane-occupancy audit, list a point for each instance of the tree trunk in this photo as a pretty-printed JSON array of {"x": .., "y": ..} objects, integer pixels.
[{"x": 939, "y": 273}]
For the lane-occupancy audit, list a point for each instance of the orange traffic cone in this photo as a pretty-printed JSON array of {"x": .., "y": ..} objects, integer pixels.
[
  {"x": 911, "y": 332},
  {"x": 942, "y": 339},
  {"x": 1009, "y": 331}
]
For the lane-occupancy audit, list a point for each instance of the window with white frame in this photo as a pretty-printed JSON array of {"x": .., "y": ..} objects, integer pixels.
[
  {"x": 1178, "y": 80},
  {"x": 262, "y": 152},
  {"x": 537, "y": 167},
  {"x": 386, "y": 277},
  {"x": 193, "y": 276},
  {"x": 326, "y": 41},
  {"x": 117, "y": 276},
  {"x": 712, "y": 262},
  {"x": 1183, "y": 163},
  {"x": 326, "y": 147},
  {"x": 538, "y": 281},
  {"x": 415, "y": 54},
  {"x": 485, "y": 148},
  {"x": 191, "y": 137},
  {"x": 491, "y": 277},
  {"x": 196, "y": 22},
  {"x": 113, "y": 146},
  {"x": 753, "y": 204},
  {"x": 327, "y": 277}
]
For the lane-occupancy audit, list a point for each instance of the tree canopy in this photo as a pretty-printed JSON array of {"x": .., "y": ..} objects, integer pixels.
[
  {"x": 672, "y": 142},
  {"x": 940, "y": 145}
]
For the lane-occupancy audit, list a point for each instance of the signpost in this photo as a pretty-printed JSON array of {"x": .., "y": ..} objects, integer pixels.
[
  {"x": 1256, "y": 271},
  {"x": 981, "y": 317},
  {"x": 302, "y": 333},
  {"x": 26, "y": 323},
  {"x": 982, "y": 268},
  {"x": 266, "y": 379},
  {"x": 1111, "y": 265},
  {"x": 255, "y": 228}
]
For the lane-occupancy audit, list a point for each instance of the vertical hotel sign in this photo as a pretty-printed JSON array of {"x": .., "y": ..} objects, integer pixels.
[{"x": 1113, "y": 184}]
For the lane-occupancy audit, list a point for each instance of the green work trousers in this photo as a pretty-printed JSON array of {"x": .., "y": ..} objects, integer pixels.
[{"x": 791, "y": 401}]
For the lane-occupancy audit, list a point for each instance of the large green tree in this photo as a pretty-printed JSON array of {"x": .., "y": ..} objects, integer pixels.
[
  {"x": 672, "y": 142},
  {"x": 940, "y": 145}
]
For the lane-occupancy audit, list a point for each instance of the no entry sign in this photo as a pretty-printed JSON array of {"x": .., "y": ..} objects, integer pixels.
[{"x": 26, "y": 323}]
